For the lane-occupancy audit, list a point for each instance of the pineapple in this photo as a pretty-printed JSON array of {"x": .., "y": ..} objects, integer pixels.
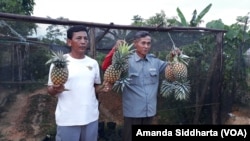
[
  {"x": 169, "y": 73},
  {"x": 177, "y": 67},
  {"x": 179, "y": 71},
  {"x": 116, "y": 72},
  {"x": 176, "y": 76},
  {"x": 111, "y": 75},
  {"x": 59, "y": 72}
]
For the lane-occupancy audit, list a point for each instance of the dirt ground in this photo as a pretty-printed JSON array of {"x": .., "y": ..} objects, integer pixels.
[
  {"x": 23, "y": 118},
  {"x": 239, "y": 116},
  {"x": 14, "y": 120},
  {"x": 111, "y": 108}
]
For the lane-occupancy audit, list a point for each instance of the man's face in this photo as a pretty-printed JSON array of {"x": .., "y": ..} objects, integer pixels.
[
  {"x": 142, "y": 46},
  {"x": 79, "y": 42}
]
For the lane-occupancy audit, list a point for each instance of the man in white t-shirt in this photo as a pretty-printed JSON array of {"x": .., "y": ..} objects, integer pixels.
[{"x": 77, "y": 110}]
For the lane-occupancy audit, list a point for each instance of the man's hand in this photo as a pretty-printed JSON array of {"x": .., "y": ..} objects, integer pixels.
[
  {"x": 118, "y": 43},
  {"x": 107, "y": 86},
  {"x": 55, "y": 89},
  {"x": 58, "y": 88}
]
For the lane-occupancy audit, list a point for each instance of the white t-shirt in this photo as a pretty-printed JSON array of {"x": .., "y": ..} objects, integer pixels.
[{"x": 79, "y": 105}]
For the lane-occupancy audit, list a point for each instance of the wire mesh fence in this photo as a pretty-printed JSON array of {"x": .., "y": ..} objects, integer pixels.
[{"x": 25, "y": 43}]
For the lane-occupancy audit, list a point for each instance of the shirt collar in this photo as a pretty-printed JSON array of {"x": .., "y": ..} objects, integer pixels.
[{"x": 138, "y": 58}]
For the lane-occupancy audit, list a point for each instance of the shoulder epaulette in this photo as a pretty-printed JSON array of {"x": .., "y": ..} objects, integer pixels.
[{"x": 151, "y": 55}]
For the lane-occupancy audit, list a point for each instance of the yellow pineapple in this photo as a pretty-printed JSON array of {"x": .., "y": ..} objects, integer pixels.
[
  {"x": 176, "y": 82},
  {"x": 116, "y": 72},
  {"x": 59, "y": 72},
  {"x": 111, "y": 75},
  {"x": 169, "y": 73},
  {"x": 179, "y": 70},
  {"x": 177, "y": 66},
  {"x": 176, "y": 76}
]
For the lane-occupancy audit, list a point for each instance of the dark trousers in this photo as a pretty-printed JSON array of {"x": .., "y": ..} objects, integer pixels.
[{"x": 128, "y": 122}]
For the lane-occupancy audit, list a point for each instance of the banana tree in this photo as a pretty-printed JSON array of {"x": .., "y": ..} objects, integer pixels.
[{"x": 196, "y": 20}]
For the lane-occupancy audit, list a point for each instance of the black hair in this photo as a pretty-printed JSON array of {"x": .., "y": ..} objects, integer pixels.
[
  {"x": 141, "y": 34},
  {"x": 75, "y": 28}
]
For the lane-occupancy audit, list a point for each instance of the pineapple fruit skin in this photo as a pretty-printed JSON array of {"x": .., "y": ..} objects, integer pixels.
[
  {"x": 176, "y": 69},
  {"x": 111, "y": 75},
  {"x": 59, "y": 76},
  {"x": 179, "y": 71},
  {"x": 169, "y": 73},
  {"x": 176, "y": 72}
]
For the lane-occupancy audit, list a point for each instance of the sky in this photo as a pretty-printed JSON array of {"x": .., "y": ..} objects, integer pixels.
[{"x": 121, "y": 12}]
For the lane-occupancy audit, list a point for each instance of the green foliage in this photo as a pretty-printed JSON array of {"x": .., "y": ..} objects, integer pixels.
[
  {"x": 196, "y": 20},
  {"x": 172, "y": 111},
  {"x": 12, "y": 28},
  {"x": 159, "y": 20},
  {"x": 216, "y": 24},
  {"x": 182, "y": 17},
  {"x": 137, "y": 21},
  {"x": 23, "y": 7},
  {"x": 56, "y": 34},
  {"x": 235, "y": 73},
  {"x": 173, "y": 22},
  {"x": 37, "y": 69}
]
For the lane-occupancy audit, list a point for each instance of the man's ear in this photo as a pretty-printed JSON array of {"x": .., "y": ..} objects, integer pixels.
[
  {"x": 135, "y": 41},
  {"x": 69, "y": 42}
]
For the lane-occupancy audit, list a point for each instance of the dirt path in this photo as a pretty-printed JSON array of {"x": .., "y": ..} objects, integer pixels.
[
  {"x": 12, "y": 119},
  {"x": 31, "y": 106},
  {"x": 239, "y": 116}
]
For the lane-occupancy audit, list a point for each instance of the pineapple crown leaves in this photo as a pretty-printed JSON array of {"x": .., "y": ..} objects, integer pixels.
[
  {"x": 184, "y": 58},
  {"x": 120, "y": 84},
  {"x": 121, "y": 55},
  {"x": 124, "y": 49},
  {"x": 180, "y": 90},
  {"x": 177, "y": 55},
  {"x": 58, "y": 59},
  {"x": 167, "y": 88}
]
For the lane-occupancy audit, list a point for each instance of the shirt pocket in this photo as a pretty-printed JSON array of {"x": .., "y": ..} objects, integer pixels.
[
  {"x": 151, "y": 78},
  {"x": 134, "y": 78}
]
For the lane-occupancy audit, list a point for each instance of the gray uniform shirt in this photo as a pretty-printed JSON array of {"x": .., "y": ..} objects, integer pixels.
[{"x": 140, "y": 96}]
